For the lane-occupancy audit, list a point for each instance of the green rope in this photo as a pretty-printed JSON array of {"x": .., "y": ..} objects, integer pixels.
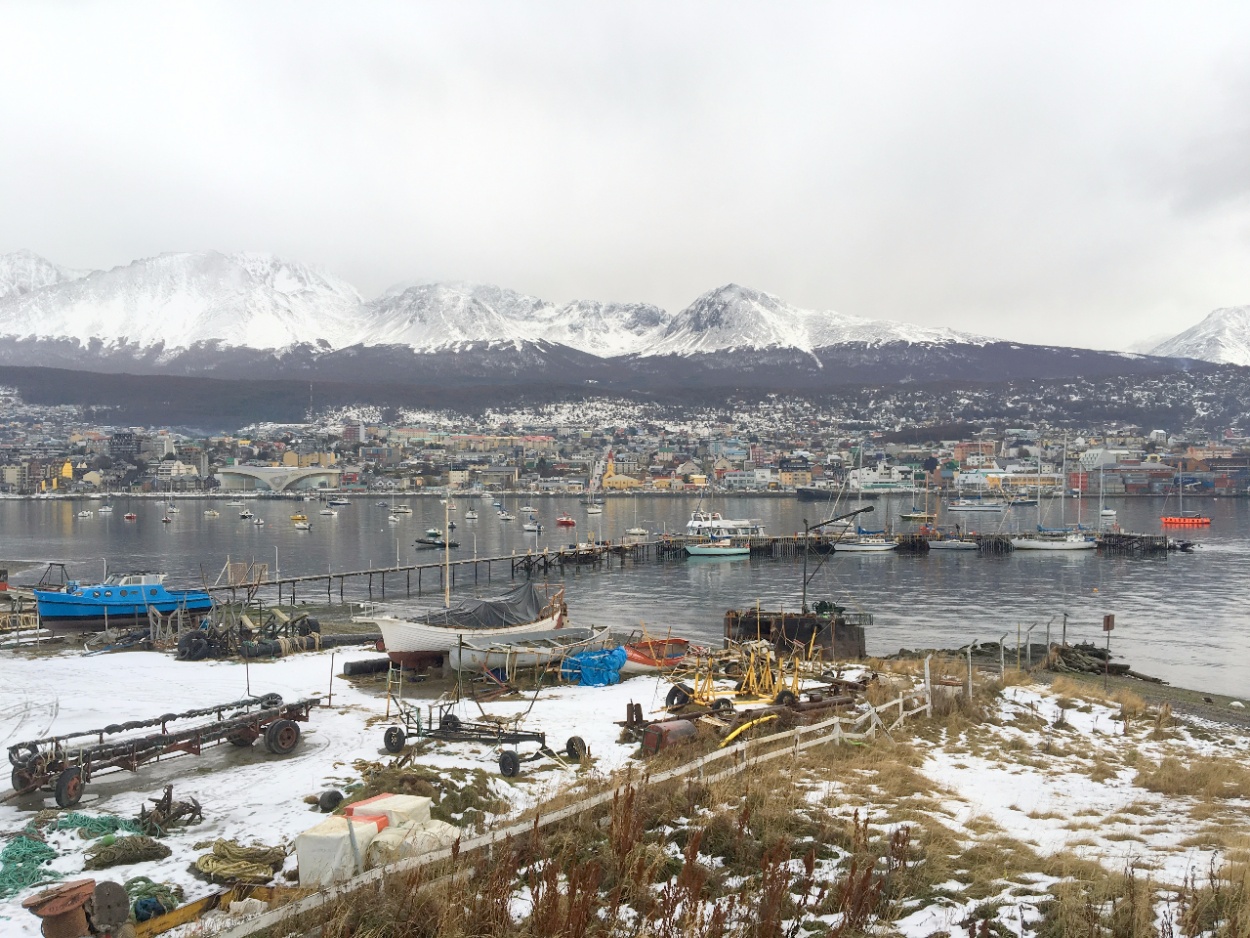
[
  {"x": 98, "y": 826},
  {"x": 22, "y": 864}
]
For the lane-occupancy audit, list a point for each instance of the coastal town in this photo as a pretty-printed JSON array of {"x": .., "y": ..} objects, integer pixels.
[{"x": 53, "y": 452}]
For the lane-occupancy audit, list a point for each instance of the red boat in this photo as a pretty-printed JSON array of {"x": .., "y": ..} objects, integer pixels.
[
  {"x": 130, "y": 516},
  {"x": 565, "y": 521},
  {"x": 654, "y": 654}
]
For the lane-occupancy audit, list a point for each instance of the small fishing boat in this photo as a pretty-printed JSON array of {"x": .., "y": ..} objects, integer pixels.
[
  {"x": 130, "y": 516},
  {"x": 299, "y": 516},
  {"x": 302, "y": 526},
  {"x": 506, "y": 515},
  {"x": 86, "y": 514},
  {"x": 167, "y": 520},
  {"x": 413, "y": 639},
  {"x": 211, "y": 513},
  {"x": 338, "y": 502},
  {"x": 245, "y": 513},
  {"x": 119, "y": 598},
  {"x": 259, "y": 522},
  {"x": 451, "y": 506},
  {"x": 531, "y": 650},
  {"x": 594, "y": 509},
  {"x": 718, "y": 548},
  {"x": 451, "y": 525},
  {"x": 328, "y": 512},
  {"x": 529, "y": 509},
  {"x": 434, "y": 538},
  {"x": 383, "y": 505},
  {"x": 565, "y": 521},
  {"x": 647, "y": 655},
  {"x": 470, "y": 515},
  {"x": 401, "y": 510},
  {"x": 106, "y": 509},
  {"x": 532, "y": 526},
  {"x": 392, "y": 519},
  {"x": 953, "y": 543},
  {"x": 865, "y": 544}
]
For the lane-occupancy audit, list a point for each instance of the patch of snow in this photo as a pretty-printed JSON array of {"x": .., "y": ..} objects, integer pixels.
[{"x": 1223, "y": 337}]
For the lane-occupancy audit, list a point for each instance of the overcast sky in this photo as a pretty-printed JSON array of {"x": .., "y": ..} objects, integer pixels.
[{"x": 1075, "y": 174}]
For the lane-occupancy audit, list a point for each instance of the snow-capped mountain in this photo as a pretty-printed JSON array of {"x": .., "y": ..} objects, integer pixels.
[
  {"x": 24, "y": 271},
  {"x": 734, "y": 318},
  {"x": 1223, "y": 337},
  {"x": 181, "y": 300},
  {"x": 432, "y": 316}
]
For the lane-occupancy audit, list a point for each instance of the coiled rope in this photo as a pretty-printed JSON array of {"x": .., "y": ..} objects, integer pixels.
[
  {"x": 150, "y": 898},
  {"x": 109, "y": 852},
  {"x": 230, "y": 860},
  {"x": 22, "y": 864}
]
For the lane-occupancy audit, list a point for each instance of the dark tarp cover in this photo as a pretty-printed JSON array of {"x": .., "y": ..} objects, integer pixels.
[{"x": 516, "y": 607}]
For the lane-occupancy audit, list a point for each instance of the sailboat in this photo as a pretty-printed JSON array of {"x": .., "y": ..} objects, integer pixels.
[
  {"x": 916, "y": 514},
  {"x": 864, "y": 542},
  {"x": 1061, "y": 539},
  {"x": 636, "y": 531},
  {"x": 1183, "y": 518}
]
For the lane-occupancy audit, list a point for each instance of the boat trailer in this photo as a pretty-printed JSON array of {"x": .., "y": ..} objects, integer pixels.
[
  {"x": 448, "y": 727},
  {"x": 65, "y": 764}
]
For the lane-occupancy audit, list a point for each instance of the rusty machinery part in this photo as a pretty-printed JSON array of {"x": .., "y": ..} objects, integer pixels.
[
  {"x": 282, "y": 736},
  {"x": 68, "y": 789}
]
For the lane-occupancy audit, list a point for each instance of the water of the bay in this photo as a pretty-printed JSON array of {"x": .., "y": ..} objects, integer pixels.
[{"x": 1178, "y": 617}]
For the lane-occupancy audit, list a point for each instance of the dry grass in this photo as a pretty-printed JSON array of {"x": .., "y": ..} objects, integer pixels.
[{"x": 1206, "y": 777}]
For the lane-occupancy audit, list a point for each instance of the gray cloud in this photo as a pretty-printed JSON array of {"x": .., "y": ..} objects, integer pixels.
[{"x": 1065, "y": 173}]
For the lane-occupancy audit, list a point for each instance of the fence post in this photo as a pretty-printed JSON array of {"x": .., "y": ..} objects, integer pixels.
[{"x": 928, "y": 687}]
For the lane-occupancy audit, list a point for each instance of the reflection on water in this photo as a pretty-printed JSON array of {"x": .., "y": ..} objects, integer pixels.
[{"x": 1178, "y": 617}]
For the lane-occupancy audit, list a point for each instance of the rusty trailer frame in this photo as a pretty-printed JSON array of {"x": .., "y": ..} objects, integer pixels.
[{"x": 66, "y": 763}]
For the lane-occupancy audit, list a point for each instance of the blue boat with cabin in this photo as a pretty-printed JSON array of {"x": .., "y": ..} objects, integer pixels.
[{"x": 121, "y": 600}]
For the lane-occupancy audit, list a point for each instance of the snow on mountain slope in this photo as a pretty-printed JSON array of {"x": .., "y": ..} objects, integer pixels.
[
  {"x": 604, "y": 329},
  {"x": 1223, "y": 337},
  {"x": 735, "y": 317},
  {"x": 432, "y": 316},
  {"x": 24, "y": 271},
  {"x": 178, "y": 300}
]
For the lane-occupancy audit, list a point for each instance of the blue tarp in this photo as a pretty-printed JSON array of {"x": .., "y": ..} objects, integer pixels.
[{"x": 594, "y": 668}]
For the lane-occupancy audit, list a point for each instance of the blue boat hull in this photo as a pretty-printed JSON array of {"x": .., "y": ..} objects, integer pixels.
[{"x": 98, "y": 607}]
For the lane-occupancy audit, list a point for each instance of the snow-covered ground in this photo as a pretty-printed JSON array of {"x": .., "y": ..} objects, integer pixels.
[{"x": 249, "y": 795}]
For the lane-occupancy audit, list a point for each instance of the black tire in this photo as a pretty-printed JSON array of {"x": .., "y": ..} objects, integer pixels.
[
  {"x": 786, "y": 698},
  {"x": 393, "y": 739},
  {"x": 184, "y": 645},
  {"x": 738, "y": 685},
  {"x": 197, "y": 648},
  {"x": 509, "y": 764},
  {"x": 722, "y": 705},
  {"x": 313, "y": 624},
  {"x": 678, "y": 696},
  {"x": 69, "y": 788},
  {"x": 282, "y": 736},
  {"x": 449, "y": 721},
  {"x": 269, "y": 701},
  {"x": 23, "y": 779},
  {"x": 327, "y": 801},
  {"x": 576, "y": 748},
  {"x": 243, "y": 737},
  {"x": 21, "y": 754}
]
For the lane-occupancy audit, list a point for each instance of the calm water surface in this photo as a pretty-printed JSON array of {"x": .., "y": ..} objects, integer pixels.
[{"x": 1182, "y": 617}]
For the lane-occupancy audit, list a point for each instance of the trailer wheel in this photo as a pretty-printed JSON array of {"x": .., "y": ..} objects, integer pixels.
[
  {"x": 281, "y": 736},
  {"x": 243, "y": 737},
  {"x": 449, "y": 722},
  {"x": 21, "y": 754},
  {"x": 787, "y": 698},
  {"x": 23, "y": 779},
  {"x": 270, "y": 701},
  {"x": 576, "y": 748},
  {"x": 69, "y": 788},
  {"x": 509, "y": 764},
  {"x": 197, "y": 647},
  {"x": 393, "y": 739},
  {"x": 678, "y": 696},
  {"x": 722, "y": 705}
]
